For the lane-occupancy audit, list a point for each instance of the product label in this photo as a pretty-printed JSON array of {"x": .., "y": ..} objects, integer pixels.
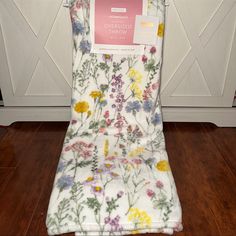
[
  {"x": 112, "y": 25},
  {"x": 146, "y": 30}
]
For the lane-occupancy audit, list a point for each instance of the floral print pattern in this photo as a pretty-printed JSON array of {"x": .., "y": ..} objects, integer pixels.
[{"x": 113, "y": 177}]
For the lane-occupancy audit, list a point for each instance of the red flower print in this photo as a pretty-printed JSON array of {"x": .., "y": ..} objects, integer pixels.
[
  {"x": 144, "y": 59},
  {"x": 153, "y": 50},
  {"x": 150, "y": 193}
]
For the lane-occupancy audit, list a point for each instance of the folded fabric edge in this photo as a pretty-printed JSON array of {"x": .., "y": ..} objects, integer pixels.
[{"x": 167, "y": 228}]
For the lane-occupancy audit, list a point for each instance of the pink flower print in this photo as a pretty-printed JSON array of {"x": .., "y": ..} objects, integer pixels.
[
  {"x": 90, "y": 145},
  {"x": 108, "y": 122},
  {"x": 137, "y": 161},
  {"x": 110, "y": 158},
  {"x": 102, "y": 130},
  {"x": 153, "y": 50},
  {"x": 114, "y": 175},
  {"x": 73, "y": 122},
  {"x": 83, "y": 149},
  {"x": 150, "y": 193},
  {"x": 147, "y": 93},
  {"x": 67, "y": 148},
  {"x": 144, "y": 59},
  {"x": 86, "y": 154},
  {"x": 106, "y": 115},
  {"x": 76, "y": 147},
  {"x": 124, "y": 161},
  {"x": 155, "y": 86},
  {"x": 159, "y": 184}
]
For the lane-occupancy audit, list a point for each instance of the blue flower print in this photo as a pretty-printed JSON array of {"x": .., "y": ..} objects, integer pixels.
[
  {"x": 133, "y": 107},
  {"x": 156, "y": 119},
  {"x": 77, "y": 27},
  {"x": 64, "y": 182},
  {"x": 85, "y": 46},
  {"x": 147, "y": 105}
]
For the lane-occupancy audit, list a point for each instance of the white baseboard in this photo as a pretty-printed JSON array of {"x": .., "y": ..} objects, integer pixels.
[{"x": 222, "y": 117}]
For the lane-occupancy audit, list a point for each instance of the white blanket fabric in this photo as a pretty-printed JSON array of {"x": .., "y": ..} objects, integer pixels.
[{"x": 113, "y": 176}]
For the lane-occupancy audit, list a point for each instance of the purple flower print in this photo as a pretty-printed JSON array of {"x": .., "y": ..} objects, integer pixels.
[
  {"x": 114, "y": 223},
  {"x": 147, "y": 105},
  {"x": 85, "y": 46},
  {"x": 107, "y": 219},
  {"x": 64, "y": 182},
  {"x": 156, "y": 119},
  {"x": 120, "y": 194},
  {"x": 97, "y": 190},
  {"x": 117, "y": 84},
  {"x": 90, "y": 180},
  {"x": 107, "y": 57},
  {"x": 133, "y": 107}
]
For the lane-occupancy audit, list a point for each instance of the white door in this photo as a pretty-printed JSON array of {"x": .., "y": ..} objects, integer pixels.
[
  {"x": 36, "y": 53},
  {"x": 200, "y": 53}
]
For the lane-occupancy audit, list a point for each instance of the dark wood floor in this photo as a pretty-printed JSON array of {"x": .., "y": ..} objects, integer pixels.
[{"x": 202, "y": 157}]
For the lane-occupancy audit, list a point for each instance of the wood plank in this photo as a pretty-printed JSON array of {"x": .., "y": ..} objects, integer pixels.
[
  {"x": 3, "y": 131},
  {"x": 197, "y": 219},
  {"x": 210, "y": 188},
  {"x": 25, "y": 186},
  {"x": 5, "y": 174},
  {"x": 17, "y": 138},
  {"x": 225, "y": 140},
  {"x": 38, "y": 223}
]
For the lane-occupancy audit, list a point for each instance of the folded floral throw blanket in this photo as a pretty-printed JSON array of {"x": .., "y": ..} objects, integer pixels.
[{"x": 113, "y": 176}]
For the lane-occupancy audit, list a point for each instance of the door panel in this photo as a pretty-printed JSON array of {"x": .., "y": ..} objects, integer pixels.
[
  {"x": 36, "y": 44},
  {"x": 198, "y": 53}
]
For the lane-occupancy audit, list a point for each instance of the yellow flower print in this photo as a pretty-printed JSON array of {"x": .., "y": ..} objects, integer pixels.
[
  {"x": 89, "y": 113},
  {"x": 132, "y": 73},
  {"x": 135, "y": 75},
  {"x": 150, "y": 3},
  {"x": 136, "y": 90},
  {"x": 89, "y": 179},
  {"x": 102, "y": 99},
  {"x": 139, "y": 218},
  {"x": 138, "y": 77},
  {"x": 136, "y": 152},
  {"x": 106, "y": 148},
  {"x": 96, "y": 94},
  {"x": 135, "y": 232},
  {"x": 81, "y": 107},
  {"x": 163, "y": 166},
  {"x": 161, "y": 28}
]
